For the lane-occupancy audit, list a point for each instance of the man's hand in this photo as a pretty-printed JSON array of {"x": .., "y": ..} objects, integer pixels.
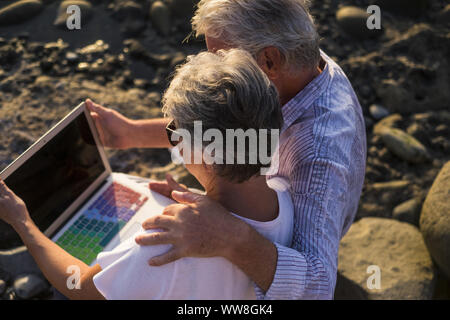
[
  {"x": 196, "y": 227},
  {"x": 199, "y": 227},
  {"x": 12, "y": 209},
  {"x": 114, "y": 129}
]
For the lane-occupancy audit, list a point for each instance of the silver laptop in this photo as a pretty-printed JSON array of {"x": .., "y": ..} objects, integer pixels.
[{"x": 72, "y": 195}]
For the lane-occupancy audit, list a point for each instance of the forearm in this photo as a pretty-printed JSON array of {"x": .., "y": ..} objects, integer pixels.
[
  {"x": 149, "y": 133},
  {"x": 255, "y": 255},
  {"x": 54, "y": 261}
]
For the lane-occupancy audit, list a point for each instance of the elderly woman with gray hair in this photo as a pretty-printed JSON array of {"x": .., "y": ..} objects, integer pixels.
[
  {"x": 223, "y": 91},
  {"x": 322, "y": 154}
]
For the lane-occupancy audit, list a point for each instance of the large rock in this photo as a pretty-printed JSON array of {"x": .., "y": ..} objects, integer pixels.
[
  {"x": 404, "y": 145},
  {"x": 353, "y": 20},
  {"x": 19, "y": 11},
  {"x": 397, "y": 248},
  {"x": 435, "y": 220},
  {"x": 62, "y": 15},
  {"x": 29, "y": 286}
]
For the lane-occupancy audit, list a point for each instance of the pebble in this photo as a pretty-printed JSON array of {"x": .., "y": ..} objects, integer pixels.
[
  {"x": 444, "y": 15},
  {"x": 160, "y": 16},
  {"x": 378, "y": 112},
  {"x": 353, "y": 20},
  {"x": 83, "y": 66},
  {"x": 29, "y": 286},
  {"x": 404, "y": 146},
  {"x": 394, "y": 185},
  {"x": 408, "y": 211},
  {"x": 98, "y": 47},
  {"x": 389, "y": 121},
  {"x": 19, "y": 11},
  {"x": 71, "y": 56}
]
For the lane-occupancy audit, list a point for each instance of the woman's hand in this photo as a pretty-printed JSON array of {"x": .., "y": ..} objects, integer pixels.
[
  {"x": 114, "y": 129},
  {"x": 167, "y": 187},
  {"x": 12, "y": 209}
]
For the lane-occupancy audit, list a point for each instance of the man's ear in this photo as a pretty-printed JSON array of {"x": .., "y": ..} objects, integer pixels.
[{"x": 270, "y": 60}]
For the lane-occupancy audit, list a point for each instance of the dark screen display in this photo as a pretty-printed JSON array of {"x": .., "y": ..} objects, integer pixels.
[{"x": 55, "y": 176}]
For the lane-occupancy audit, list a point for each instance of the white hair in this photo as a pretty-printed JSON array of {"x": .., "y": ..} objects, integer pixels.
[
  {"x": 224, "y": 91},
  {"x": 256, "y": 24}
]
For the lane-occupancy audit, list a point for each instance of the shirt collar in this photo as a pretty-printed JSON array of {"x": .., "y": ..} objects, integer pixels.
[{"x": 295, "y": 107}]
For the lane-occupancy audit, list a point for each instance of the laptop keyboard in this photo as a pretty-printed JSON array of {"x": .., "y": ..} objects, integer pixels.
[{"x": 101, "y": 222}]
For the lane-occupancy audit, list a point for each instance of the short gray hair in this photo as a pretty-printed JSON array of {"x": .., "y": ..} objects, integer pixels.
[
  {"x": 256, "y": 24},
  {"x": 225, "y": 90}
]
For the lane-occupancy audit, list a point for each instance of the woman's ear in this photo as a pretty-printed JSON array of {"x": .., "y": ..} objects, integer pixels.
[{"x": 270, "y": 60}]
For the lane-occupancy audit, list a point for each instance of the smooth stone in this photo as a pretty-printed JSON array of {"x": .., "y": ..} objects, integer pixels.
[
  {"x": 404, "y": 146},
  {"x": 353, "y": 20},
  {"x": 19, "y": 11},
  {"x": 62, "y": 15},
  {"x": 160, "y": 16},
  {"x": 390, "y": 122},
  {"x": 408, "y": 211},
  {"x": 397, "y": 248},
  {"x": 435, "y": 220},
  {"x": 29, "y": 286},
  {"x": 71, "y": 56},
  {"x": 378, "y": 112},
  {"x": 393, "y": 185},
  {"x": 99, "y": 47},
  {"x": 444, "y": 15}
]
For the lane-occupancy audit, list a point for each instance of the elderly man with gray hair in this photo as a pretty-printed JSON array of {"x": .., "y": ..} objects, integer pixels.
[{"x": 322, "y": 154}]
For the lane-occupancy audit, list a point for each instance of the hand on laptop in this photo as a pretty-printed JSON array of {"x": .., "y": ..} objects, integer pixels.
[
  {"x": 12, "y": 209},
  {"x": 166, "y": 187},
  {"x": 113, "y": 128}
]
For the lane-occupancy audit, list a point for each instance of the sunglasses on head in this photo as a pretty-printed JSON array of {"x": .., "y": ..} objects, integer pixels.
[{"x": 171, "y": 130}]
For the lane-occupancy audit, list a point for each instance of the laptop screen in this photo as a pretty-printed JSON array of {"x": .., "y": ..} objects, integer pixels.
[{"x": 56, "y": 175}]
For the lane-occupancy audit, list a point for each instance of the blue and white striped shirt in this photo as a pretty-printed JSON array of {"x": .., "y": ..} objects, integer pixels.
[{"x": 322, "y": 154}]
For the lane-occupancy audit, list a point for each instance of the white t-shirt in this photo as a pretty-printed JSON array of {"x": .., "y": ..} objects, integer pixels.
[{"x": 126, "y": 273}]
